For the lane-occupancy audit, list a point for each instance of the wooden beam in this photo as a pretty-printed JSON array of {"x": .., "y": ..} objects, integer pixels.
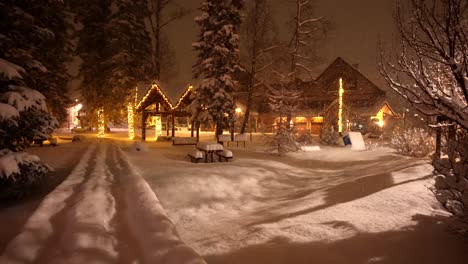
[
  {"x": 144, "y": 115},
  {"x": 173, "y": 125},
  {"x": 167, "y": 126}
]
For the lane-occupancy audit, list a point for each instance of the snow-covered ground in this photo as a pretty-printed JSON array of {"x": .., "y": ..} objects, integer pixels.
[
  {"x": 332, "y": 205},
  {"x": 323, "y": 205}
]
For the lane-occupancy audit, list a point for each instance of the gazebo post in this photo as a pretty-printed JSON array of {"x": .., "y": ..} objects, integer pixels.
[
  {"x": 173, "y": 124},
  {"x": 143, "y": 125},
  {"x": 167, "y": 125}
]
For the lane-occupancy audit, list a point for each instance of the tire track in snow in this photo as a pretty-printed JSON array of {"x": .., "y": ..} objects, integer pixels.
[
  {"x": 88, "y": 235},
  {"x": 39, "y": 228},
  {"x": 127, "y": 245}
]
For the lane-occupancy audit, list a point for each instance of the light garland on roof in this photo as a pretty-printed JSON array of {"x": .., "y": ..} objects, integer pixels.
[
  {"x": 156, "y": 88},
  {"x": 101, "y": 123}
]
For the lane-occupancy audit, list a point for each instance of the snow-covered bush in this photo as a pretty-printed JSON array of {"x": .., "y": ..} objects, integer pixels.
[
  {"x": 19, "y": 172},
  {"x": 451, "y": 182},
  {"x": 414, "y": 142}
]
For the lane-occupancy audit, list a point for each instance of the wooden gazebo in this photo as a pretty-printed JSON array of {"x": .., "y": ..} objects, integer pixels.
[{"x": 156, "y": 103}]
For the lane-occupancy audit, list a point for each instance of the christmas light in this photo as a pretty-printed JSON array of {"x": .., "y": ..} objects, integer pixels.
[
  {"x": 340, "y": 105},
  {"x": 131, "y": 121},
  {"x": 101, "y": 123},
  {"x": 156, "y": 88},
  {"x": 157, "y": 126}
]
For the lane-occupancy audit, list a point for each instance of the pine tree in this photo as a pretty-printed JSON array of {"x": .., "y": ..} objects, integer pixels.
[
  {"x": 218, "y": 58},
  {"x": 116, "y": 52},
  {"x": 34, "y": 37},
  {"x": 23, "y": 110}
]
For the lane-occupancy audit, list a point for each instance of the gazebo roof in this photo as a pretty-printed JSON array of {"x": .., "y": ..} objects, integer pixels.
[{"x": 155, "y": 92}]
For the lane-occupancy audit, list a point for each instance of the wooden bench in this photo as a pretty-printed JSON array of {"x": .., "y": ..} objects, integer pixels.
[
  {"x": 224, "y": 138},
  {"x": 240, "y": 138},
  {"x": 225, "y": 155},
  {"x": 184, "y": 141},
  {"x": 196, "y": 156}
]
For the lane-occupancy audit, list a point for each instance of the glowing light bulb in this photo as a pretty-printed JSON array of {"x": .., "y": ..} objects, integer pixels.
[
  {"x": 131, "y": 121},
  {"x": 340, "y": 109},
  {"x": 101, "y": 123}
]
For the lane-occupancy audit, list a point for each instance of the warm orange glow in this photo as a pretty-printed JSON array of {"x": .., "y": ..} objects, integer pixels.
[
  {"x": 317, "y": 119},
  {"x": 300, "y": 119},
  {"x": 101, "y": 123},
  {"x": 340, "y": 104},
  {"x": 131, "y": 121},
  {"x": 238, "y": 110},
  {"x": 379, "y": 117}
]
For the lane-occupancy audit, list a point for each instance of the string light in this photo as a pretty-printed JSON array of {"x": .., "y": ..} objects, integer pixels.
[
  {"x": 131, "y": 121},
  {"x": 101, "y": 123},
  {"x": 155, "y": 88},
  {"x": 340, "y": 109}
]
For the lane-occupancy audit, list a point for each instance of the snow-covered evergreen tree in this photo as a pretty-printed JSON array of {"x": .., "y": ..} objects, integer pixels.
[
  {"x": 33, "y": 36},
  {"x": 116, "y": 52},
  {"x": 23, "y": 110},
  {"x": 129, "y": 47},
  {"x": 218, "y": 59}
]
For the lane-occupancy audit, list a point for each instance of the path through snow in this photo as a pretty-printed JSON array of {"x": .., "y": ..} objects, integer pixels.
[{"x": 104, "y": 212}]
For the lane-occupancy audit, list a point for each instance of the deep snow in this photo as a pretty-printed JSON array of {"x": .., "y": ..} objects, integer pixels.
[
  {"x": 322, "y": 205},
  {"x": 264, "y": 209}
]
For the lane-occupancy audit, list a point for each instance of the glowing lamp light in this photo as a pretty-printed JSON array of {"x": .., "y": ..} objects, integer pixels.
[
  {"x": 340, "y": 109},
  {"x": 380, "y": 118},
  {"x": 131, "y": 121},
  {"x": 101, "y": 123},
  {"x": 78, "y": 107},
  {"x": 238, "y": 110}
]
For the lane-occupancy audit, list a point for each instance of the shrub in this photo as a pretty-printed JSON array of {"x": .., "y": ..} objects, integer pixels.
[{"x": 414, "y": 142}]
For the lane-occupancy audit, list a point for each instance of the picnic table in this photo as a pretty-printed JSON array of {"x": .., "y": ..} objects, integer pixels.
[{"x": 209, "y": 148}]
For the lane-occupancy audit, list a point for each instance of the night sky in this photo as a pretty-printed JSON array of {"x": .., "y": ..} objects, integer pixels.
[{"x": 359, "y": 24}]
